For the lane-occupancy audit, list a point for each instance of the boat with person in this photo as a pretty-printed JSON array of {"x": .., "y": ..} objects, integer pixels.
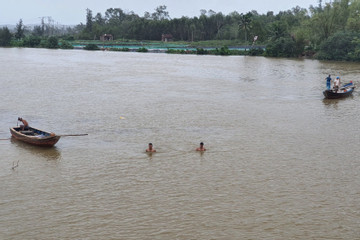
[
  {"x": 342, "y": 92},
  {"x": 35, "y": 136}
]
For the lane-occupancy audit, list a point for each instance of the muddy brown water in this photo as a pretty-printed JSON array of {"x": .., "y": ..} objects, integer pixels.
[{"x": 281, "y": 162}]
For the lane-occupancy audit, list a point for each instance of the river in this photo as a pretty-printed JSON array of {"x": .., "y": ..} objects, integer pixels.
[{"x": 281, "y": 162}]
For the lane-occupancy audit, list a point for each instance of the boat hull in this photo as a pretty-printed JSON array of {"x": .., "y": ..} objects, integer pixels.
[
  {"x": 345, "y": 91},
  {"x": 332, "y": 95},
  {"x": 35, "y": 137}
]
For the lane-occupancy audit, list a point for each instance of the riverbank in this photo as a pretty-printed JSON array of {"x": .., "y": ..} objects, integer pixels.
[{"x": 201, "y": 48}]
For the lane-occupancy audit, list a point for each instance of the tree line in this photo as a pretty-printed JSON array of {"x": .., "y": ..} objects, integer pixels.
[{"x": 329, "y": 31}]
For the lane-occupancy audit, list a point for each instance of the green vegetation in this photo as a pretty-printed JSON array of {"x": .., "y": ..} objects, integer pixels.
[
  {"x": 120, "y": 49},
  {"x": 343, "y": 46},
  {"x": 201, "y": 51},
  {"x": 223, "y": 51},
  {"x": 52, "y": 42},
  {"x": 5, "y": 37},
  {"x": 65, "y": 45},
  {"x": 328, "y": 31},
  {"x": 180, "y": 51},
  {"x": 142, "y": 50},
  {"x": 37, "y": 42},
  {"x": 91, "y": 47}
]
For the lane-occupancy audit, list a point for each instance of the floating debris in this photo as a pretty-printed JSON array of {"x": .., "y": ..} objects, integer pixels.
[{"x": 15, "y": 166}]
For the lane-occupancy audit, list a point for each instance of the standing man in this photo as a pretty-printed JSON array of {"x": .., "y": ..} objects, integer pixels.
[
  {"x": 150, "y": 149},
  {"x": 337, "y": 84},
  {"x": 328, "y": 82}
]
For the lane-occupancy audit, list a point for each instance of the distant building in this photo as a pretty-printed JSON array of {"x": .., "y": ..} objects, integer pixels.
[
  {"x": 106, "y": 37},
  {"x": 166, "y": 37}
]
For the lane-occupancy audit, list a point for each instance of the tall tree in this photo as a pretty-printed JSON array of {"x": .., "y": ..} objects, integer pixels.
[
  {"x": 244, "y": 24},
  {"x": 19, "y": 34},
  {"x": 89, "y": 21},
  {"x": 99, "y": 19},
  {"x": 37, "y": 31},
  {"x": 342, "y": 11},
  {"x": 322, "y": 23},
  {"x": 114, "y": 16},
  {"x": 353, "y": 22},
  {"x": 5, "y": 37},
  {"x": 160, "y": 13}
]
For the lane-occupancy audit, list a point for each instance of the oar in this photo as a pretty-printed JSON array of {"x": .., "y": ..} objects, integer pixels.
[
  {"x": 4, "y": 138},
  {"x": 73, "y": 135}
]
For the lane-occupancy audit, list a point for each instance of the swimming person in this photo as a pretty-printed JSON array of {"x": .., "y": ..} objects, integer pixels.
[
  {"x": 150, "y": 149},
  {"x": 201, "y": 148}
]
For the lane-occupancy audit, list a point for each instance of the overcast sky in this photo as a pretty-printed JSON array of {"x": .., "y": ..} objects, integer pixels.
[{"x": 74, "y": 11}]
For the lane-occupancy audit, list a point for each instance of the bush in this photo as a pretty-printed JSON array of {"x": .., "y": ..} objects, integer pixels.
[
  {"x": 120, "y": 49},
  {"x": 16, "y": 43},
  {"x": 342, "y": 46},
  {"x": 179, "y": 51},
  {"x": 224, "y": 51},
  {"x": 256, "y": 52},
  {"x": 282, "y": 47},
  {"x": 201, "y": 51},
  {"x": 32, "y": 41},
  {"x": 142, "y": 50},
  {"x": 66, "y": 45},
  {"x": 91, "y": 47},
  {"x": 52, "y": 42}
]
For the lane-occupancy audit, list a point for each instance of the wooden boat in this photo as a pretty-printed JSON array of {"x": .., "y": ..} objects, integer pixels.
[
  {"x": 35, "y": 136},
  {"x": 344, "y": 91}
]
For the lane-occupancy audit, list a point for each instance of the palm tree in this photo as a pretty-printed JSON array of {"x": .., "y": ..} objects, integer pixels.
[{"x": 244, "y": 24}]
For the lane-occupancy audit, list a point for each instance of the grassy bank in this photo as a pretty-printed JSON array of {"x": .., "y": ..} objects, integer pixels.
[{"x": 201, "y": 48}]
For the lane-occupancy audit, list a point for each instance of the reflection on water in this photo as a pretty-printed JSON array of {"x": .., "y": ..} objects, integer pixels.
[
  {"x": 47, "y": 153},
  {"x": 281, "y": 161},
  {"x": 336, "y": 103},
  {"x": 333, "y": 103}
]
